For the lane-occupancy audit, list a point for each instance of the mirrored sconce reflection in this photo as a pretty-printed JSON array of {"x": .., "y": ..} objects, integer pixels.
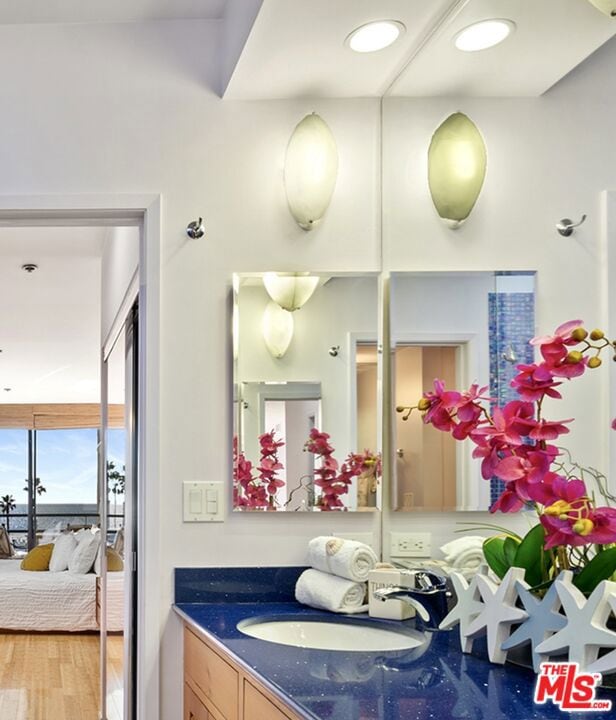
[
  {"x": 310, "y": 170},
  {"x": 277, "y": 329},
  {"x": 291, "y": 290}
]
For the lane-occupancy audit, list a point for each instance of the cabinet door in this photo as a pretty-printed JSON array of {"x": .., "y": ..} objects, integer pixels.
[
  {"x": 193, "y": 708},
  {"x": 216, "y": 679},
  {"x": 258, "y": 707}
]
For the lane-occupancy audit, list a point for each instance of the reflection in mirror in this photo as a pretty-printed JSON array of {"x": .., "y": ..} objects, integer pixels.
[
  {"x": 460, "y": 328},
  {"x": 306, "y": 409}
]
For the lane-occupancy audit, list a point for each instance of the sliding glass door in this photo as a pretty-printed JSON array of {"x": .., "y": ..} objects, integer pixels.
[{"x": 118, "y": 450}]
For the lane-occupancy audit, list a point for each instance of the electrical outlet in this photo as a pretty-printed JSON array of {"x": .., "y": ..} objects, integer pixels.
[
  {"x": 366, "y": 538},
  {"x": 410, "y": 544}
]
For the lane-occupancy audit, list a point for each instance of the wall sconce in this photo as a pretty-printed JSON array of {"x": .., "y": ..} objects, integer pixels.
[
  {"x": 310, "y": 170},
  {"x": 457, "y": 162},
  {"x": 277, "y": 329},
  {"x": 291, "y": 291}
]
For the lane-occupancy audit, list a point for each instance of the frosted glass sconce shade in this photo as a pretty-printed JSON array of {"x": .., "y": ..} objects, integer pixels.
[
  {"x": 457, "y": 162},
  {"x": 277, "y": 329},
  {"x": 310, "y": 170},
  {"x": 290, "y": 291}
]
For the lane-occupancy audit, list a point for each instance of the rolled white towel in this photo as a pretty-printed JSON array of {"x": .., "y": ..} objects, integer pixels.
[
  {"x": 452, "y": 550},
  {"x": 346, "y": 558},
  {"x": 328, "y": 592},
  {"x": 471, "y": 558}
]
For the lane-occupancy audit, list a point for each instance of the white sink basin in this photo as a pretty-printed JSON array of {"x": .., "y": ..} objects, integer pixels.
[{"x": 324, "y": 635}]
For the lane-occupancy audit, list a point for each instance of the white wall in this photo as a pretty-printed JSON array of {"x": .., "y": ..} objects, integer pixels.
[{"x": 128, "y": 109}]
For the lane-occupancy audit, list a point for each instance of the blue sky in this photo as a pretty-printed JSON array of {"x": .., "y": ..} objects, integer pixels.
[{"x": 66, "y": 463}]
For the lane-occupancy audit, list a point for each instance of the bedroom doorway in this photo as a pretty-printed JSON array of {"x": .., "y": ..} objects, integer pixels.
[{"x": 79, "y": 473}]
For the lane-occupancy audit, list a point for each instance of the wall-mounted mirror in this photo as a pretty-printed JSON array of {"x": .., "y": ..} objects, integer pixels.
[
  {"x": 461, "y": 328},
  {"x": 306, "y": 410}
]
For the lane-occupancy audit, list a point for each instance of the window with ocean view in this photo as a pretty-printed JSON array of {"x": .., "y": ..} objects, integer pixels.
[{"x": 65, "y": 482}]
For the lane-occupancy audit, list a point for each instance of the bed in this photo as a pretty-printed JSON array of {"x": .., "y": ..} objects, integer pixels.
[{"x": 52, "y": 602}]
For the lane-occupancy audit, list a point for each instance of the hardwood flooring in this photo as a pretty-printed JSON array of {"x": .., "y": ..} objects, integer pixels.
[{"x": 56, "y": 677}]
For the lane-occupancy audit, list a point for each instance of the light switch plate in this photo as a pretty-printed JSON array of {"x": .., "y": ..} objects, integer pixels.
[{"x": 203, "y": 501}]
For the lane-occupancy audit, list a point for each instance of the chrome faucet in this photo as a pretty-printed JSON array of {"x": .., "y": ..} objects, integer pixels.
[{"x": 428, "y": 596}]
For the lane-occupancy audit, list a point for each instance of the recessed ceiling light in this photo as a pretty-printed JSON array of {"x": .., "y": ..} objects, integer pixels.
[
  {"x": 375, "y": 36},
  {"x": 483, "y": 35}
]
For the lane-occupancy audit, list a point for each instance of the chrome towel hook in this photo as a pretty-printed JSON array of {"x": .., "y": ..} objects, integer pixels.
[
  {"x": 566, "y": 226},
  {"x": 195, "y": 229}
]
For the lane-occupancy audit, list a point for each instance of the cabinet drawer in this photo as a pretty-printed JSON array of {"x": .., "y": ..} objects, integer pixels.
[
  {"x": 216, "y": 679},
  {"x": 193, "y": 708},
  {"x": 258, "y": 707}
]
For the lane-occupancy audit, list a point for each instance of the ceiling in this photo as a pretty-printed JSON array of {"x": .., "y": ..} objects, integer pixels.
[
  {"x": 50, "y": 326},
  {"x": 296, "y": 49},
  {"x": 17, "y": 12}
]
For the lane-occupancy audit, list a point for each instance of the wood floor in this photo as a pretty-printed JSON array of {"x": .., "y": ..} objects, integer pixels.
[{"x": 56, "y": 677}]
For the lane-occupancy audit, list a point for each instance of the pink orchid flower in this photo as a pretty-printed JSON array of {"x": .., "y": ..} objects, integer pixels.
[
  {"x": 442, "y": 404},
  {"x": 545, "y": 429},
  {"x": 508, "y": 501},
  {"x": 534, "y": 381},
  {"x": 554, "y": 347},
  {"x": 523, "y": 471}
]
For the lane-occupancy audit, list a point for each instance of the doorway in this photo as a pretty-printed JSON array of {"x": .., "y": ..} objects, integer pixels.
[{"x": 133, "y": 211}]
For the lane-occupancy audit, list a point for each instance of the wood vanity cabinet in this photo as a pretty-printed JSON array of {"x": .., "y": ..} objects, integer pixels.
[{"x": 215, "y": 688}]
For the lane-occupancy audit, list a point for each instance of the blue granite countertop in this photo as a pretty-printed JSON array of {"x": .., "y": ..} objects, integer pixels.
[{"x": 435, "y": 681}]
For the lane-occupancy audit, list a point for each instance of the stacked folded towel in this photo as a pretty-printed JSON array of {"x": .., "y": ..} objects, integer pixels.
[
  {"x": 464, "y": 554},
  {"x": 337, "y": 580}
]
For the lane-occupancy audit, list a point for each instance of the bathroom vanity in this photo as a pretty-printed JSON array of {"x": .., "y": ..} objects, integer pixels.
[{"x": 229, "y": 675}]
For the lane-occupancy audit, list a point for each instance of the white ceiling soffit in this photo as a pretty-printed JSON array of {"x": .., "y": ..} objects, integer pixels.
[
  {"x": 21, "y": 12},
  {"x": 50, "y": 323},
  {"x": 297, "y": 49},
  {"x": 551, "y": 38}
]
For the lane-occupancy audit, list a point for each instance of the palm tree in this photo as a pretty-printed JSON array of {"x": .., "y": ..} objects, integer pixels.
[
  {"x": 7, "y": 503},
  {"x": 116, "y": 480},
  {"x": 39, "y": 489}
]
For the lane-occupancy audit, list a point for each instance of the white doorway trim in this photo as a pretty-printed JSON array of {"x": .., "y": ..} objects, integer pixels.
[{"x": 113, "y": 210}]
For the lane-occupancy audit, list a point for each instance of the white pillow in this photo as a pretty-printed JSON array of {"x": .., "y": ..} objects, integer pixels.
[
  {"x": 63, "y": 550},
  {"x": 83, "y": 558}
]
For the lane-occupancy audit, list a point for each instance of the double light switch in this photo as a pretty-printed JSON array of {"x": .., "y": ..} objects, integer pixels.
[{"x": 203, "y": 501}]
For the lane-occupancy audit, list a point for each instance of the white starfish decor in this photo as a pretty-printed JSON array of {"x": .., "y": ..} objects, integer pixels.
[
  {"x": 585, "y": 632},
  {"x": 607, "y": 663},
  {"x": 467, "y": 608},
  {"x": 498, "y": 613},
  {"x": 543, "y": 619}
]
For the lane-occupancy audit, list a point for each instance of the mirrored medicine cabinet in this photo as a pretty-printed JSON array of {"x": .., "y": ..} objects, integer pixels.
[{"x": 307, "y": 403}]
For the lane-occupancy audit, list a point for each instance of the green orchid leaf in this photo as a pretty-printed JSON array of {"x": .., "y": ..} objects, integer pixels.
[
  {"x": 531, "y": 556},
  {"x": 510, "y": 547},
  {"x": 601, "y": 567},
  {"x": 494, "y": 553}
]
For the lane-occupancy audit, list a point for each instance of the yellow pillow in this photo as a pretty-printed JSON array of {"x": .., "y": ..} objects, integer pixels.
[
  {"x": 38, "y": 559},
  {"x": 114, "y": 561}
]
